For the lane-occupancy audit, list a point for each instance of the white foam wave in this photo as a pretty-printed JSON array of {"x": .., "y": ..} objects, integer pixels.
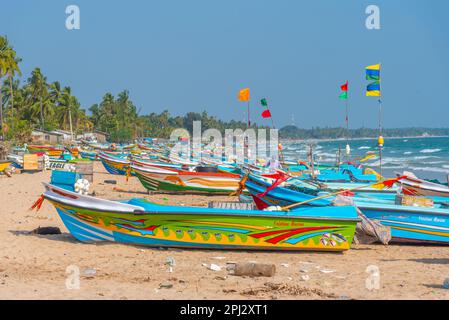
[
  {"x": 430, "y": 150},
  {"x": 429, "y": 169},
  {"x": 364, "y": 148}
]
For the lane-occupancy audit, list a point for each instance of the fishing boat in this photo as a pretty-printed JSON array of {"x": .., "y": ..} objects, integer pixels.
[
  {"x": 408, "y": 223},
  {"x": 90, "y": 155},
  {"x": 140, "y": 222},
  {"x": 113, "y": 164},
  {"x": 171, "y": 180},
  {"x": 412, "y": 185},
  {"x": 49, "y": 150},
  {"x": 4, "y": 164}
]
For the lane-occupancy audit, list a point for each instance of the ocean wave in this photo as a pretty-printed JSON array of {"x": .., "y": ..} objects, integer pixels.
[
  {"x": 433, "y": 162},
  {"x": 429, "y": 169},
  {"x": 430, "y": 150},
  {"x": 408, "y": 152},
  {"x": 364, "y": 148},
  {"x": 326, "y": 154}
]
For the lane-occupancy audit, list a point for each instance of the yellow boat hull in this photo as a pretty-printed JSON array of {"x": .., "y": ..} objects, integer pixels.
[{"x": 4, "y": 165}]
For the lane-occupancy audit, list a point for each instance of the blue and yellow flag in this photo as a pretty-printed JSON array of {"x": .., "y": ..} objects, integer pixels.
[
  {"x": 373, "y": 72},
  {"x": 373, "y": 89}
]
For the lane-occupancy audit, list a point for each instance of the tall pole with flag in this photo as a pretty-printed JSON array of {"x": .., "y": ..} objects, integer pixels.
[
  {"x": 373, "y": 90},
  {"x": 344, "y": 96},
  {"x": 244, "y": 96},
  {"x": 267, "y": 114}
]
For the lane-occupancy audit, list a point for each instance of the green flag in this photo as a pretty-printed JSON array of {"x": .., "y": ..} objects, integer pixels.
[
  {"x": 344, "y": 95},
  {"x": 264, "y": 102}
]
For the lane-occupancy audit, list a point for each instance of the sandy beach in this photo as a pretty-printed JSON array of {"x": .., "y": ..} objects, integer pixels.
[{"x": 39, "y": 267}]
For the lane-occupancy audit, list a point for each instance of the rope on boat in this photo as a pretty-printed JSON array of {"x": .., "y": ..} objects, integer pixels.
[{"x": 241, "y": 187}]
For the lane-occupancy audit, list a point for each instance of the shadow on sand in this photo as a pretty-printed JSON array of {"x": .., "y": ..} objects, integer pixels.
[{"x": 431, "y": 261}]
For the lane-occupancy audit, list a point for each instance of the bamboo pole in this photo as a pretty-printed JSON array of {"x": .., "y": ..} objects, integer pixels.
[{"x": 286, "y": 208}]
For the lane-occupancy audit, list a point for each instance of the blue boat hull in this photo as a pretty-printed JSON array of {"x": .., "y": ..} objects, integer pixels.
[{"x": 407, "y": 224}]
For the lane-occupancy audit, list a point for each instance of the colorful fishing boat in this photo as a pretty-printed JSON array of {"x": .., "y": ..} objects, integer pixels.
[
  {"x": 4, "y": 164},
  {"x": 90, "y": 155},
  {"x": 412, "y": 185},
  {"x": 140, "y": 222},
  {"x": 114, "y": 165},
  {"x": 49, "y": 150},
  {"x": 157, "y": 178},
  {"x": 408, "y": 223}
]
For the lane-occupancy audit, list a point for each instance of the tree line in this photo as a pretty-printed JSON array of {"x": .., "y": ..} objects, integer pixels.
[{"x": 293, "y": 132}]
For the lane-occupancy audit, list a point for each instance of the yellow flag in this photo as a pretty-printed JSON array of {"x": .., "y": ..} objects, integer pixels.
[
  {"x": 374, "y": 93},
  {"x": 244, "y": 94}
]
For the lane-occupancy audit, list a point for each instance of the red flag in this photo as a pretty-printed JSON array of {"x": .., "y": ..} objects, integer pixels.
[
  {"x": 266, "y": 114},
  {"x": 282, "y": 177},
  {"x": 344, "y": 87}
]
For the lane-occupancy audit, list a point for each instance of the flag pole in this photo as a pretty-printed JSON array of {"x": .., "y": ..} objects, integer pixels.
[
  {"x": 380, "y": 140},
  {"x": 249, "y": 119},
  {"x": 274, "y": 127},
  {"x": 347, "y": 130}
]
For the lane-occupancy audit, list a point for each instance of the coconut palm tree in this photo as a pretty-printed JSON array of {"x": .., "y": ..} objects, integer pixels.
[
  {"x": 68, "y": 109},
  {"x": 40, "y": 101},
  {"x": 55, "y": 92},
  {"x": 12, "y": 69},
  {"x": 4, "y": 61}
]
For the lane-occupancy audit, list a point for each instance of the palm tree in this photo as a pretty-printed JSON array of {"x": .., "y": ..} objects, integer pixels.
[
  {"x": 55, "y": 92},
  {"x": 40, "y": 100},
  {"x": 11, "y": 70},
  {"x": 69, "y": 107},
  {"x": 4, "y": 61}
]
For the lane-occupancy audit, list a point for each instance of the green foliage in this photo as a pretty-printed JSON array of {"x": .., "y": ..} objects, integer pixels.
[{"x": 293, "y": 132}]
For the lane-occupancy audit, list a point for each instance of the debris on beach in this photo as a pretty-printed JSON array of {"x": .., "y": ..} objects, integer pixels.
[
  {"x": 305, "y": 277},
  {"x": 170, "y": 262},
  {"x": 326, "y": 271},
  {"x": 165, "y": 285},
  {"x": 252, "y": 269},
  {"x": 212, "y": 266},
  {"x": 287, "y": 289},
  {"x": 110, "y": 181},
  {"x": 89, "y": 273}
]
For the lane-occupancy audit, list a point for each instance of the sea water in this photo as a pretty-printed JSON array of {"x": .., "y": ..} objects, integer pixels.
[{"x": 427, "y": 157}]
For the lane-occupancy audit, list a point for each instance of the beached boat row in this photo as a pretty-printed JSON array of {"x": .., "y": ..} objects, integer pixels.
[{"x": 296, "y": 207}]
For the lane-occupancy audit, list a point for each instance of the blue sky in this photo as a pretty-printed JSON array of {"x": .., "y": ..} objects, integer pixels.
[{"x": 195, "y": 55}]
